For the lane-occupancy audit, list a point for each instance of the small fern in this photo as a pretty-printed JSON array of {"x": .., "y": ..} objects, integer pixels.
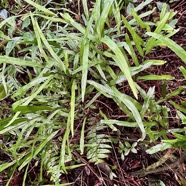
[
  {"x": 125, "y": 148},
  {"x": 98, "y": 146},
  {"x": 51, "y": 163}
]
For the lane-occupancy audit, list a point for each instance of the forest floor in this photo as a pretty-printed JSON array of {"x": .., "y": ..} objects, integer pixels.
[{"x": 131, "y": 172}]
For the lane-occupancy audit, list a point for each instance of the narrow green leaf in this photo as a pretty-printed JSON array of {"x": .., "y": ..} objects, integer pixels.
[
  {"x": 146, "y": 103},
  {"x": 142, "y": 5},
  {"x": 155, "y": 61},
  {"x": 82, "y": 143},
  {"x": 18, "y": 61},
  {"x": 139, "y": 20},
  {"x": 183, "y": 70},
  {"x": 27, "y": 100},
  {"x": 133, "y": 54},
  {"x": 39, "y": 148},
  {"x": 171, "y": 44},
  {"x": 63, "y": 146},
  {"x": 120, "y": 123},
  {"x": 173, "y": 93},
  {"x": 136, "y": 38},
  {"x": 161, "y": 24},
  {"x": 31, "y": 109},
  {"x": 100, "y": 70},
  {"x": 85, "y": 7},
  {"x": 121, "y": 62},
  {"x": 78, "y": 26},
  {"x": 180, "y": 108},
  {"x": 132, "y": 108},
  {"x": 39, "y": 7},
  {"x": 2, "y": 92},
  {"x": 134, "y": 71},
  {"x": 103, "y": 89},
  {"x": 156, "y": 77},
  {"x": 85, "y": 61},
  {"x": 50, "y": 49},
  {"x": 115, "y": 94},
  {"x": 182, "y": 117},
  {"x": 39, "y": 43},
  {"x": 6, "y": 165},
  {"x": 103, "y": 17},
  {"x": 164, "y": 9},
  {"x": 25, "y": 88},
  {"x": 158, "y": 148},
  {"x": 72, "y": 106},
  {"x": 3, "y": 122}
]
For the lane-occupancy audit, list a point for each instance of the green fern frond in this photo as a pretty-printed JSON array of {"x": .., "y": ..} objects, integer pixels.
[{"x": 98, "y": 147}]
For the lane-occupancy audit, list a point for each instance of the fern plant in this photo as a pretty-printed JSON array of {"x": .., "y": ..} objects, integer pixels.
[{"x": 98, "y": 144}]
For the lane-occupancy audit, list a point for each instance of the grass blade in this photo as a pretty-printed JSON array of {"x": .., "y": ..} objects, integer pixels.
[
  {"x": 116, "y": 95},
  {"x": 103, "y": 17},
  {"x": 133, "y": 54},
  {"x": 72, "y": 106},
  {"x": 142, "y": 5},
  {"x": 18, "y": 61},
  {"x": 31, "y": 109},
  {"x": 139, "y": 20},
  {"x": 180, "y": 108},
  {"x": 171, "y": 44},
  {"x": 41, "y": 8},
  {"x": 85, "y": 7},
  {"x": 183, "y": 70},
  {"x": 53, "y": 54},
  {"x": 85, "y": 54},
  {"x": 39, "y": 148},
  {"x": 156, "y": 77},
  {"x": 161, "y": 24},
  {"x": 132, "y": 108},
  {"x": 3, "y": 93},
  {"x": 120, "y": 123},
  {"x": 82, "y": 144},
  {"x": 136, "y": 38},
  {"x": 155, "y": 62},
  {"x": 121, "y": 62}
]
